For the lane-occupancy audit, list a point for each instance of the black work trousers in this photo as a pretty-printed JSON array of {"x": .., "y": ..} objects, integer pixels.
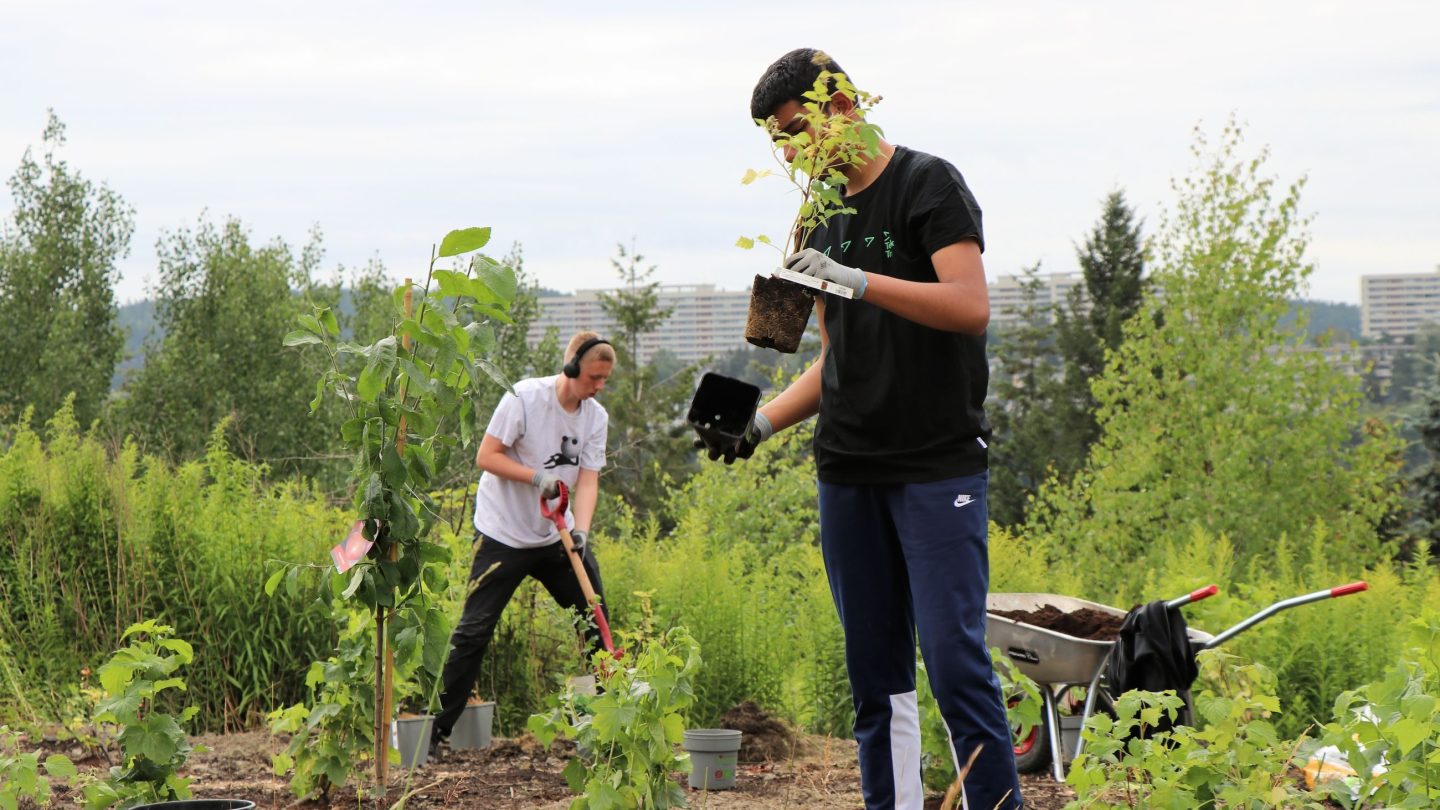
[{"x": 550, "y": 566}]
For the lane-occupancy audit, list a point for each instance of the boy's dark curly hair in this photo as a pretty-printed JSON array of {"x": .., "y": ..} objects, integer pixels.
[{"x": 788, "y": 79}]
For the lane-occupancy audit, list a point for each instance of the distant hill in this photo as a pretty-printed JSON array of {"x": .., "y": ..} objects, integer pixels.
[
  {"x": 137, "y": 319},
  {"x": 1325, "y": 316}
]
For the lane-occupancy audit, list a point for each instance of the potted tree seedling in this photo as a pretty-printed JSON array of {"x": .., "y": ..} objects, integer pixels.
[
  {"x": 408, "y": 395},
  {"x": 812, "y": 152}
]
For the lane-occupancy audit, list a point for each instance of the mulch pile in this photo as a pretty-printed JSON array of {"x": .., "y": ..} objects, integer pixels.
[
  {"x": 1085, "y": 623},
  {"x": 764, "y": 738}
]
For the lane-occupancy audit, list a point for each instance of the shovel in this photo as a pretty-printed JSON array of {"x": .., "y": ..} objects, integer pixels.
[{"x": 557, "y": 514}]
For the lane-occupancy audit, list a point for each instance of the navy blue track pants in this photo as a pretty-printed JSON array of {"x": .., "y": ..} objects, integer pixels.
[{"x": 910, "y": 558}]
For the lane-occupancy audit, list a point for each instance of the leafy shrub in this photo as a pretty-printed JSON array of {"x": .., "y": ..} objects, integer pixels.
[
  {"x": 20, "y": 773},
  {"x": 153, "y": 742},
  {"x": 1237, "y": 759},
  {"x": 627, "y": 734},
  {"x": 1389, "y": 730}
]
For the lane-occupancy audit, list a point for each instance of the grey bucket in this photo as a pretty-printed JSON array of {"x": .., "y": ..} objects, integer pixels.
[
  {"x": 199, "y": 804},
  {"x": 412, "y": 738},
  {"x": 713, "y": 752},
  {"x": 472, "y": 730}
]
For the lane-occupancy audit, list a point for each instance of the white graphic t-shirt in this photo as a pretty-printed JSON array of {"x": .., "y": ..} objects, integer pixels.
[{"x": 543, "y": 436}]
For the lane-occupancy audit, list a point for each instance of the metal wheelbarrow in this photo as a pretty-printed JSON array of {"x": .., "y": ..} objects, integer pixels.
[{"x": 1058, "y": 662}]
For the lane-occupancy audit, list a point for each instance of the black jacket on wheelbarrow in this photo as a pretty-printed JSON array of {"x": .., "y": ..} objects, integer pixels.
[{"x": 1153, "y": 653}]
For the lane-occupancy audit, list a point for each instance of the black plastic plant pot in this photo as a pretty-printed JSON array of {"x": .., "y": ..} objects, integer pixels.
[
  {"x": 779, "y": 311},
  {"x": 722, "y": 409},
  {"x": 199, "y": 804}
]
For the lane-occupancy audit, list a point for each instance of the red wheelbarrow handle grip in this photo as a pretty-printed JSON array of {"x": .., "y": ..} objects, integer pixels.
[
  {"x": 1193, "y": 596},
  {"x": 1205, "y": 592},
  {"x": 1346, "y": 590}
]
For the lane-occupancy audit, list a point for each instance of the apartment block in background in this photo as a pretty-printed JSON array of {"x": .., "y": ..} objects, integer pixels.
[
  {"x": 1396, "y": 304},
  {"x": 703, "y": 321},
  {"x": 1007, "y": 295}
]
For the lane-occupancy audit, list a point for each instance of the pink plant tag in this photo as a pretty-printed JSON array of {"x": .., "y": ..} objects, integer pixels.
[{"x": 353, "y": 549}]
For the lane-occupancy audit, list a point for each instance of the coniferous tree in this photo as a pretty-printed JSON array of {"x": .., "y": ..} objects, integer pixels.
[
  {"x": 1424, "y": 484},
  {"x": 1022, "y": 406},
  {"x": 57, "y": 278},
  {"x": 649, "y": 446},
  {"x": 1090, "y": 323}
]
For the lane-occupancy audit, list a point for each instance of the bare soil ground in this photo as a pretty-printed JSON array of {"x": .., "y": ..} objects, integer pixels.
[{"x": 818, "y": 772}]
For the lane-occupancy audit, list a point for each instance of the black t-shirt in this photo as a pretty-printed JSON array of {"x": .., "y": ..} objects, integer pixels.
[{"x": 900, "y": 402}]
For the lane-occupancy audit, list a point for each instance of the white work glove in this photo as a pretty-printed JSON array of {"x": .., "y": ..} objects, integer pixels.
[
  {"x": 813, "y": 263},
  {"x": 547, "y": 483},
  {"x": 578, "y": 539}
]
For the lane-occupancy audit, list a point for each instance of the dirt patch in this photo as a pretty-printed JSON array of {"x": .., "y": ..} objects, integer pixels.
[
  {"x": 1085, "y": 623},
  {"x": 764, "y": 738},
  {"x": 520, "y": 773}
]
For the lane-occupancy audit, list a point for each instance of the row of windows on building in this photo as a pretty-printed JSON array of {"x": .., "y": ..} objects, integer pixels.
[{"x": 705, "y": 321}]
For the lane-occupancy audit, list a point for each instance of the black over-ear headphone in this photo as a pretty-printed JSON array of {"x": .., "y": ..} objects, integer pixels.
[{"x": 572, "y": 368}]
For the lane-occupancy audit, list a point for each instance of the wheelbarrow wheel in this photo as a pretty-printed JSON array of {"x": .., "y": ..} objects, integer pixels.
[{"x": 1032, "y": 753}]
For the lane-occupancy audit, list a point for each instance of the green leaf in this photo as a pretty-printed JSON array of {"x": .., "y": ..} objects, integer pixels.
[
  {"x": 60, "y": 767},
  {"x": 356, "y": 579},
  {"x": 498, "y": 279},
  {"x": 302, "y": 338},
  {"x": 327, "y": 319},
  {"x": 376, "y": 374},
  {"x": 311, "y": 323},
  {"x": 437, "y": 641},
  {"x": 1408, "y": 733},
  {"x": 745, "y": 242},
  {"x": 407, "y": 644},
  {"x": 434, "y": 553},
  {"x": 463, "y": 241},
  {"x": 396, "y": 476},
  {"x": 118, "y": 709},
  {"x": 116, "y": 675},
  {"x": 493, "y": 372},
  {"x": 182, "y": 648},
  {"x": 319, "y": 397},
  {"x": 156, "y": 738},
  {"x": 273, "y": 581},
  {"x": 169, "y": 683},
  {"x": 100, "y": 795}
]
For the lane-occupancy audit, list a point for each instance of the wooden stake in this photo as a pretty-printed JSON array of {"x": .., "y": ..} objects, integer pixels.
[{"x": 384, "y": 656}]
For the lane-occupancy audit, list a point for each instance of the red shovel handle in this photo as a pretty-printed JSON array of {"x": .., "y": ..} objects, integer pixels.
[
  {"x": 1346, "y": 590},
  {"x": 557, "y": 514}
]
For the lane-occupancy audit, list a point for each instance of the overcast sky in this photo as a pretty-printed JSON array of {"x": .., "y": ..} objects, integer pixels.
[{"x": 569, "y": 127}]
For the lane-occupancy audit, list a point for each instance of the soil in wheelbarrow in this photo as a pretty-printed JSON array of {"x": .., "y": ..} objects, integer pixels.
[{"x": 1086, "y": 623}]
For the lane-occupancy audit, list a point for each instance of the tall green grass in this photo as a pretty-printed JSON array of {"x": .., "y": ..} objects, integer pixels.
[
  {"x": 91, "y": 542},
  {"x": 94, "y": 538}
]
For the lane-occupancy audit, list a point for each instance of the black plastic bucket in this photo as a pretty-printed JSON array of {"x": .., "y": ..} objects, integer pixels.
[{"x": 722, "y": 409}]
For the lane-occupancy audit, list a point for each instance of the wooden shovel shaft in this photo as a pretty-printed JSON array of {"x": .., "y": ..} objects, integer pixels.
[{"x": 591, "y": 598}]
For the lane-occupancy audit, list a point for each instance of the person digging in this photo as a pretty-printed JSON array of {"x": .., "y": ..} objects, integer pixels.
[{"x": 546, "y": 438}]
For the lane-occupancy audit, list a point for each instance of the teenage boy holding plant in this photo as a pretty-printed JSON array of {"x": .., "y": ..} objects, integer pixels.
[
  {"x": 550, "y": 431},
  {"x": 900, "y": 450}
]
